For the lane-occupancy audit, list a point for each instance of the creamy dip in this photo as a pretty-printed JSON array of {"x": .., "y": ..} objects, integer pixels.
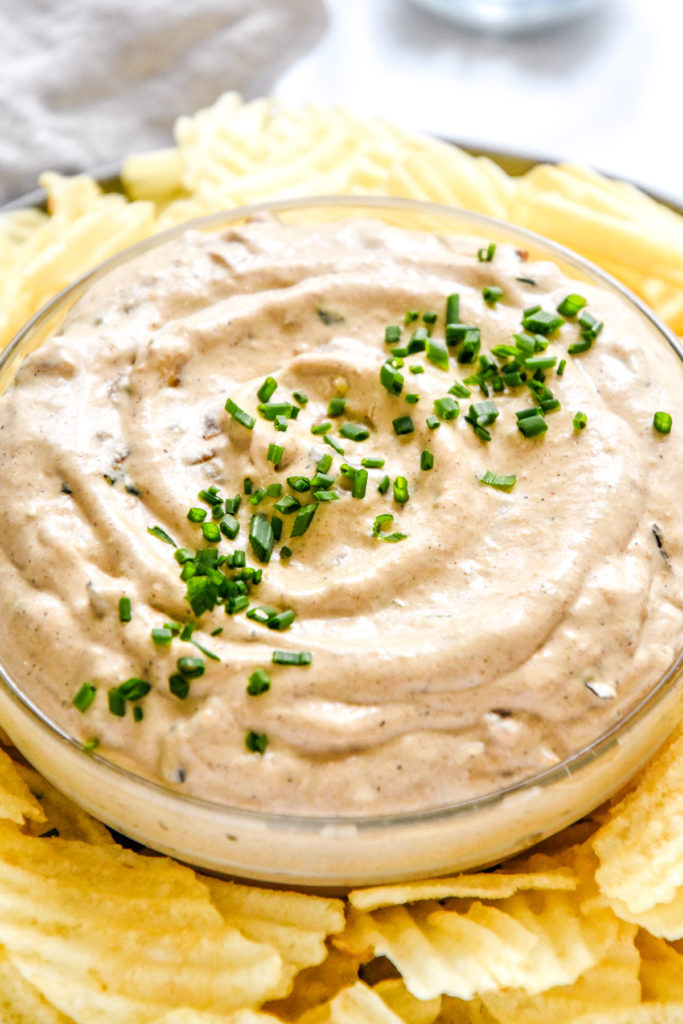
[{"x": 481, "y": 636}]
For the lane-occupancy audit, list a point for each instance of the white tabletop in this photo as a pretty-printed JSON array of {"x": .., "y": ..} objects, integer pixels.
[{"x": 606, "y": 89}]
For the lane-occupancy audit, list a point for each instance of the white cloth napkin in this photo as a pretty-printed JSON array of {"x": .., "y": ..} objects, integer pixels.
[{"x": 84, "y": 82}]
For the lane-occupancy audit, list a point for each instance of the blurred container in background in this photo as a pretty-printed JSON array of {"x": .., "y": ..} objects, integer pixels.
[{"x": 508, "y": 15}]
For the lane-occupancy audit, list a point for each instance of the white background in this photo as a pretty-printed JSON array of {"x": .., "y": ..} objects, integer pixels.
[{"x": 606, "y": 89}]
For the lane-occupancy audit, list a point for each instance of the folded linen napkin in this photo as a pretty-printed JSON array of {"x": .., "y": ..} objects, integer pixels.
[{"x": 84, "y": 84}]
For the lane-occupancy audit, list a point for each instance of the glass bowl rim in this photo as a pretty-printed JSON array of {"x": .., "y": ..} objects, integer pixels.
[{"x": 570, "y": 765}]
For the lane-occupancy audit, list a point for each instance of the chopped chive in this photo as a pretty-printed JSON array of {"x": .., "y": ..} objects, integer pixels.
[
  {"x": 426, "y": 460},
  {"x": 276, "y": 524},
  {"x": 482, "y": 414},
  {"x": 459, "y": 390},
  {"x": 282, "y": 620},
  {"x": 503, "y": 481},
  {"x": 183, "y": 555},
  {"x": 416, "y": 368},
  {"x": 256, "y": 742},
  {"x": 469, "y": 351},
  {"x": 580, "y": 420},
  {"x": 134, "y": 689},
  {"x": 321, "y": 428},
  {"x": 261, "y": 537},
  {"x": 336, "y": 406},
  {"x": 560, "y": 367},
  {"x": 248, "y": 485},
  {"x": 453, "y": 309},
  {"x": 492, "y": 294},
  {"x": 391, "y": 379},
  {"x": 285, "y": 552},
  {"x": 372, "y": 463},
  {"x": 577, "y": 347},
  {"x": 179, "y": 685},
  {"x": 287, "y": 504},
  {"x": 412, "y": 399},
  {"x": 524, "y": 414},
  {"x": 229, "y": 527},
  {"x": 401, "y": 490},
  {"x": 237, "y": 560},
  {"x": 161, "y": 635},
  {"x": 433, "y": 422},
  {"x": 271, "y": 410},
  {"x": 259, "y": 682},
  {"x": 326, "y": 495},
  {"x": 354, "y": 431},
  {"x": 392, "y": 334},
  {"x": 437, "y": 353},
  {"x": 301, "y": 483},
  {"x": 138, "y": 713},
  {"x": 486, "y": 255},
  {"x": 532, "y": 426},
  {"x": 275, "y": 453},
  {"x": 190, "y": 667},
  {"x": 541, "y": 322},
  {"x": 590, "y": 325},
  {"x": 411, "y": 316},
  {"x": 280, "y": 423},
  {"x": 217, "y": 631},
  {"x": 85, "y": 696},
  {"x": 378, "y": 526},
  {"x": 196, "y": 515},
  {"x": 300, "y": 397},
  {"x": 571, "y": 305},
  {"x": 403, "y": 425},
  {"x": 540, "y": 362},
  {"x": 429, "y": 316},
  {"x": 267, "y": 389},
  {"x": 662, "y": 422},
  {"x": 447, "y": 408},
  {"x": 211, "y": 532},
  {"x": 303, "y": 519},
  {"x": 117, "y": 702},
  {"x": 124, "y": 609},
  {"x": 324, "y": 463},
  {"x": 360, "y": 483},
  {"x": 90, "y": 745},
  {"x": 322, "y": 481},
  {"x": 258, "y": 496},
  {"x": 383, "y": 485},
  {"x": 240, "y": 415},
  {"x": 292, "y": 657},
  {"x": 457, "y": 333},
  {"x": 156, "y": 531},
  {"x": 334, "y": 444}
]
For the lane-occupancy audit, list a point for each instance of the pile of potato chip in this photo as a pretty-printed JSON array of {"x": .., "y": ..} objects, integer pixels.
[{"x": 587, "y": 927}]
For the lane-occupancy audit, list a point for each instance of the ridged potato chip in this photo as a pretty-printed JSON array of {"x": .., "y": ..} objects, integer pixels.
[
  {"x": 16, "y": 800},
  {"x": 358, "y": 1004},
  {"x": 62, "y": 817},
  {"x": 315, "y": 986},
  {"x": 491, "y": 886},
  {"x": 394, "y": 993},
  {"x": 21, "y": 1003},
  {"x": 111, "y": 937}
]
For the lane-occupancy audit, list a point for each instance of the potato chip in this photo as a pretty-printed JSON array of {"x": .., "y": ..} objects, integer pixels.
[
  {"x": 16, "y": 800},
  {"x": 355, "y": 1005},
  {"x": 394, "y": 993},
  {"x": 294, "y": 924},
  {"x": 143, "y": 935},
  {"x": 314, "y": 986},
  {"x": 611, "y": 985},
  {"x": 661, "y": 969},
  {"x": 62, "y": 817},
  {"x": 489, "y": 885},
  {"x": 640, "y": 847},
  {"x": 21, "y": 1003},
  {"x": 532, "y": 939}
]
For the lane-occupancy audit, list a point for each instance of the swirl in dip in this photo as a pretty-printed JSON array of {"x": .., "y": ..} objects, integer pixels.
[{"x": 479, "y": 637}]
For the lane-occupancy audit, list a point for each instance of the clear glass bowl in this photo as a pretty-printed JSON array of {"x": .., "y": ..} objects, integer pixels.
[{"x": 338, "y": 852}]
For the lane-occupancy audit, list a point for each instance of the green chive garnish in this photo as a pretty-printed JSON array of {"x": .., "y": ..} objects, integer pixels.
[
  {"x": 411, "y": 316},
  {"x": 267, "y": 389},
  {"x": 240, "y": 415},
  {"x": 336, "y": 406},
  {"x": 503, "y": 481},
  {"x": 256, "y": 742},
  {"x": 229, "y": 527},
  {"x": 416, "y": 368},
  {"x": 383, "y": 485},
  {"x": 487, "y": 254},
  {"x": 161, "y": 635},
  {"x": 292, "y": 657},
  {"x": 191, "y": 668},
  {"x": 275, "y": 453},
  {"x": 321, "y": 428},
  {"x": 300, "y": 397},
  {"x": 360, "y": 483},
  {"x": 401, "y": 490},
  {"x": 179, "y": 686},
  {"x": 373, "y": 463},
  {"x": 577, "y": 347},
  {"x": 303, "y": 520},
  {"x": 211, "y": 532},
  {"x": 196, "y": 515},
  {"x": 580, "y": 420},
  {"x": 259, "y": 682},
  {"x": 437, "y": 353},
  {"x": 261, "y": 537},
  {"x": 287, "y": 504},
  {"x": 301, "y": 483},
  {"x": 134, "y": 689},
  {"x": 453, "y": 309},
  {"x": 447, "y": 408},
  {"x": 117, "y": 702},
  {"x": 560, "y": 367},
  {"x": 85, "y": 696},
  {"x": 138, "y": 713},
  {"x": 335, "y": 444},
  {"x": 124, "y": 609},
  {"x": 156, "y": 531},
  {"x": 391, "y": 379},
  {"x": 392, "y": 334},
  {"x": 540, "y": 322},
  {"x": 492, "y": 294},
  {"x": 90, "y": 745},
  {"x": 248, "y": 485},
  {"x": 433, "y": 422},
  {"x": 271, "y": 410},
  {"x": 378, "y": 526},
  {"x": 532, "y": 426},
  {"x": 662, "y": 422},
  {"x": 324, "y": 463},
  {"x": 403, "y": 425},
  {"x": 354, "y": 431},
  {"x": 426, "y": 460},
  {"x": 571, "y": 305},
  {"x": 285, "y": 552}
]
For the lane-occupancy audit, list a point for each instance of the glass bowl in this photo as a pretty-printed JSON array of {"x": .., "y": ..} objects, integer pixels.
[{"x": 336, "y": 852}]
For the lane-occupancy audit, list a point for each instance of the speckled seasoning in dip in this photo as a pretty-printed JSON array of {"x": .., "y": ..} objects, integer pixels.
[{"x": 220, "y": 597}]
